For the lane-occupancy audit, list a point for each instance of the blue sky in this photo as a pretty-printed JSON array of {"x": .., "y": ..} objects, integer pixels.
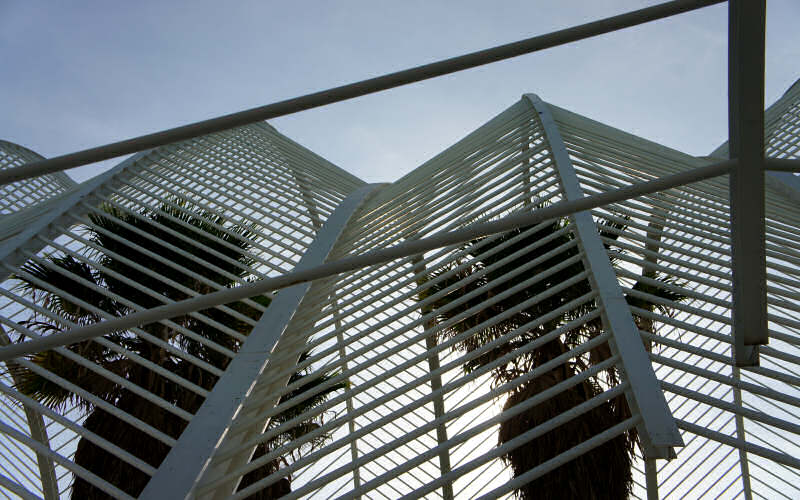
[{"x": 81, "y": 74}]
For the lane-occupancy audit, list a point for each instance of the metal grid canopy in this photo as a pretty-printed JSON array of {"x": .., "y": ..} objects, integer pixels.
[
  {"x": 22, "y": 194},
  {"x": 164, "y": 225},
  {"x": 25, "y": 194},
  {"x": 519, "y": 311},
  {"x": 405, "y": 417}
]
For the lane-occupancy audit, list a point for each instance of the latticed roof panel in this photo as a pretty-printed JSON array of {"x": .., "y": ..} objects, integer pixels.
[
  {"x": 169, "y": 224},
  {"x": 592, "y": 345},
  {"x": 23, "y": 194},
  {"x": 683, "y": 234}
]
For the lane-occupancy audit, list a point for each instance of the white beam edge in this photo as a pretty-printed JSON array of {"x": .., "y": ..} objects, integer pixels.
[{"x": 657, "y": 428}]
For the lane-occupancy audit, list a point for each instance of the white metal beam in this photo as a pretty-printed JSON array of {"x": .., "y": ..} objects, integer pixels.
[
  {"x": 184, "y": 465},
  {"x": 651, "y": 478},
  {"x": 351, "y": 424},
  {"x": 657, "y": 429},
  {"x": 436, "y": 384},
  {"x": 744, "y": 462},
  {"x": 372, "y": 257}
]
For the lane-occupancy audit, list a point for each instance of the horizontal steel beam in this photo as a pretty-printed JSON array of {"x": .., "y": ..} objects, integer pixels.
[
  {"x": 378, "y": 256},
  {"x": 357, "y": 89},
  {"x": 782, "y": 164}
]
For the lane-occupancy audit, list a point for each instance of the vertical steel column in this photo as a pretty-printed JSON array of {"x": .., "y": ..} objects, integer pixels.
[
  {"x": 655, "y": 231},
  {"x": 351, "y": 425},
  {"x": 316, "y": 220},
  {"x": 181, "y": 470},
  {"x": 746, "y": 46},
  {"x": 657, "y": 429},
  {"x": 651, "y": 478},
  {"x": 746, "y": 21},
  {"x": 436, "y": 384},
  {"x": 740, "y": 434}
]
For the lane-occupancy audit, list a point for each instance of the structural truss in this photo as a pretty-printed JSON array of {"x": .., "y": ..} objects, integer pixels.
[{"x": 233, "y": 316}]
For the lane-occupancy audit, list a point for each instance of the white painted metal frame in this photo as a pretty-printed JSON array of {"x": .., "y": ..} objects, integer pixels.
[
  {"x": 697, "y": 339},
  {"x": 178, "y": 474},
  {"x": 459, "y": 183},
  {"x": 139, "y": 182},
  {"x": 410, "y": 419},
  {"x": 658, "y": 428},
  {"x": 22, "y": 194},
  {"x": 438, "y": 240}
]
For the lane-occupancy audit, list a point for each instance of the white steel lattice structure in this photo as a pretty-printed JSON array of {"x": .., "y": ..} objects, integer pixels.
[
  {"x": 232, "y": 316},
  {"x": 15, "y": 197},
  {"x": 410, "y": 420},
  {"x": 21, "y": 194}
]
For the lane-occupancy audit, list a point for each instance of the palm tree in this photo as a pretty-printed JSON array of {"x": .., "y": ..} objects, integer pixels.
[
  {"x": 283, "y": 485},
  {"x": 604, "y": 472},
  {"x": 114, "y": 234}
]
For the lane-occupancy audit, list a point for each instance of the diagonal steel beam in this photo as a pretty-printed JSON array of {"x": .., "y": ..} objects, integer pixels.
[
  {"x": 189, "y": 458},
  {"x": 657, "y": 428},
  {"x": 746, "y": 21},
  {"x": 357, "y": 89}
]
